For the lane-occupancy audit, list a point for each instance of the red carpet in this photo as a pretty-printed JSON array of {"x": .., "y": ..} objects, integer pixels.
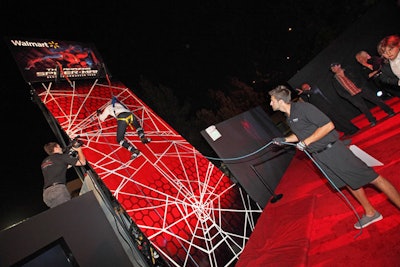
[
  {"x": 268, "y": 245},
  {"x": 312, "y": 225}
]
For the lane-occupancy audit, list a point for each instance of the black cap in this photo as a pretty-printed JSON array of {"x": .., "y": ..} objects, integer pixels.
[{"x": 334, "y": 64}]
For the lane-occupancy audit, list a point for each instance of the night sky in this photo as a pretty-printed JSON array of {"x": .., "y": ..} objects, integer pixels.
[{"x": 187, "y": 47}]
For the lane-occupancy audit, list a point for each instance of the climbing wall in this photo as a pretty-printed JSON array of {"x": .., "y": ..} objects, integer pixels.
[{"x": 190, "y": 211}]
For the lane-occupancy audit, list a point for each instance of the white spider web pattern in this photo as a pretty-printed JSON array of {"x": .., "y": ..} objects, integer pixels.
[{"x": 191, "y": 212}]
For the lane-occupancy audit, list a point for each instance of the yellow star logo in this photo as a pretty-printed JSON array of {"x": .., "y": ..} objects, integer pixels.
[{"x": 53, "y": 44}]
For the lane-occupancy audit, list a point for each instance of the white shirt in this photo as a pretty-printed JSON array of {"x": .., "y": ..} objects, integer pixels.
[
  {"x": 111, "y": 110},
  {"x": 395, "y": 65}
]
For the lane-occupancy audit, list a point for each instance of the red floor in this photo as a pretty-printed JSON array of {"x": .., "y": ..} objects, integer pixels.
[{"x": 312, "y": 225}]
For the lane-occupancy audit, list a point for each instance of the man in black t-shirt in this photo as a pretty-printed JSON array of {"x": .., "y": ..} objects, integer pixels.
[
  {"x": 54, "y": 170},
  {"x": 314, "y": 132}
]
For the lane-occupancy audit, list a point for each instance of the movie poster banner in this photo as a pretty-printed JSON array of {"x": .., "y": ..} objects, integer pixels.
[{"x": 41, "y": 60}]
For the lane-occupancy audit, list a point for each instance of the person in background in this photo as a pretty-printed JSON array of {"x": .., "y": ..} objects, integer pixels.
[
  {"x": 313, "y": 95},
  {"x": 314, "y": 132},
  {"x": 124, "y": 118},
  {"x": 389, "y": 48},
  {"x": 352, "y": 87},
  {"x": 371, "y": 69},
  {"x": 54, "y": 168}
]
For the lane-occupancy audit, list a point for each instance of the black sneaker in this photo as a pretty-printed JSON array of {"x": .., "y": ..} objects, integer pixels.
[
  {"x": 145, "y": 140},
  {"x": 391, "y": 114},
  {"x": 135, "y": 153}
]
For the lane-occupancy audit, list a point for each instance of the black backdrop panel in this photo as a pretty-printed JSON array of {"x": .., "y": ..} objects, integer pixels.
[
  {"x": 245, "y": 147},
  {"x": 81, "y": 226}
]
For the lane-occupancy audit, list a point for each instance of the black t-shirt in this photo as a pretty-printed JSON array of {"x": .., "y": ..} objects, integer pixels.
[
  {"x": 305, "y": 119},
  {"x": 54, "y": 168}
]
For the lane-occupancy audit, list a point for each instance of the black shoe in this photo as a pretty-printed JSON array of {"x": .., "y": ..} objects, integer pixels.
[
  {"x": 391, "y": 114},
  {"x": 135, "y": 153},
  {"x": 373, "y": 123},
  {"x": 145, "y": 140}
]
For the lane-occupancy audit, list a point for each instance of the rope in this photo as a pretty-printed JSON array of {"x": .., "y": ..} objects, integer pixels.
[
  {"x": 314, "y": 161},
  {"x": 333, "y": 184}
]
